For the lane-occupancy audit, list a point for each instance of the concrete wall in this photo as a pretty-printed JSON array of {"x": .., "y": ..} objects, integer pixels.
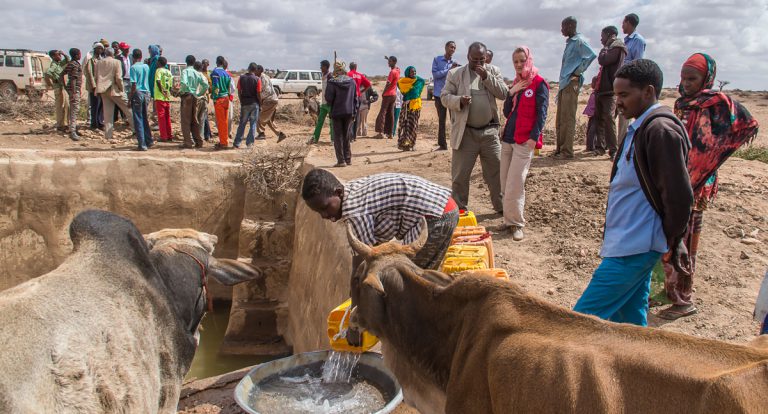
[
  {"x": 307, "y": 260},
  {"x": 319, "y": 279},
  {"x": 42, "y": 192}
]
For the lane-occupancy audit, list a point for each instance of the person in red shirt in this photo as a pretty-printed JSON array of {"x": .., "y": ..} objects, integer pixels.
[
  {"x": 386, "y": 118},
  {"x": 362, "y": 85}
]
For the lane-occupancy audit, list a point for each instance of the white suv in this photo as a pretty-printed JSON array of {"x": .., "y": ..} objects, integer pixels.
[
  {"x": 21, "y": 71},
  {"x": 300, "y": 82}
]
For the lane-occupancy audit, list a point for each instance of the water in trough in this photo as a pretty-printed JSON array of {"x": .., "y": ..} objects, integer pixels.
[{"x": 331, "y": 388}]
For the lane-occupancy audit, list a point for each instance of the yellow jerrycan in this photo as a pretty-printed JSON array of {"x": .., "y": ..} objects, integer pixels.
[{"x": 338, "y": 322}]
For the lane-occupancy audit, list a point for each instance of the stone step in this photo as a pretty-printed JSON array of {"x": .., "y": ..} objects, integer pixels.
[{"x": 253, "y": 330}]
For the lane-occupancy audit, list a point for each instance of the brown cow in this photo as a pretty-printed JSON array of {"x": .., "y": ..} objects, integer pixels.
[{"x": 476, "y": 344}]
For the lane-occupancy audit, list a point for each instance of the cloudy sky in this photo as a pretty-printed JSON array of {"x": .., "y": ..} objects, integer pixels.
[{"x": 300, "y": 33}]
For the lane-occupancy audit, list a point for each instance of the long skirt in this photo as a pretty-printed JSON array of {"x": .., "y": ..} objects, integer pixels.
[{"x": 406, "y": 130}]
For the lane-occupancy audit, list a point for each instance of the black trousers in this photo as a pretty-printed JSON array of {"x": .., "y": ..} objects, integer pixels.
[
  {"x": 441, "y": 115},
  {"x": 605, "y": 117},
  {"x": 342, "y": 127}
]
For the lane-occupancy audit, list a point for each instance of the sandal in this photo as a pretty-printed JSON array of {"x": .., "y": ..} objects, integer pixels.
[{"x": 673, "y": 312}]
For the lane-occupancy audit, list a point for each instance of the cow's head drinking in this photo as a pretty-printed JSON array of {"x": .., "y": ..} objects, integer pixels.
[
  {"x": 184, "y": 259},
  {"x": 385, "y": 271}
]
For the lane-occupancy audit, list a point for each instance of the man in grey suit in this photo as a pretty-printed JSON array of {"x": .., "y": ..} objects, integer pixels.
[
  {"x": 470, "y": 94},
  {"x": 110, "y": 86}
]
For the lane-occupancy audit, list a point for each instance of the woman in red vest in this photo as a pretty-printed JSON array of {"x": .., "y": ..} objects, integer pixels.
[{"x": 526, "y": 111}]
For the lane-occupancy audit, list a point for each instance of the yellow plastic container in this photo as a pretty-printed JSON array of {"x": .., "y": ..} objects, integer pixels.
[
  {"x": 460, "y": 264},
  {"x": 466, "y": 219},
  {"x": 469, "y": 231},
  {"x": 499, "y": 273},
  {"x": 341, "y": 344},
  {"x": 494, "y": 272},
  {"x": 461, "y": 250},
  {"x": 481, "y": 240}
]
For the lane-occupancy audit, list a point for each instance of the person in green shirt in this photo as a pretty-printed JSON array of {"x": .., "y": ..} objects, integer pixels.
[
  {"x": 192, "y": 92},
  {"x": 162, "y": 95},
  {"x": 52, "y": 80}
]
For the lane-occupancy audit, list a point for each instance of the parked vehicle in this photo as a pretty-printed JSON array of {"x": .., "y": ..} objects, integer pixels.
[
  {"x": 176, "y": 69},
  {"x": 21, "y": 72},
  {"x": 298, "y": 81}
]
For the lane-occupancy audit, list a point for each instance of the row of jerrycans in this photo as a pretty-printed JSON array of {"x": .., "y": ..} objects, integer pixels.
[{"x": 471, "y": 249}]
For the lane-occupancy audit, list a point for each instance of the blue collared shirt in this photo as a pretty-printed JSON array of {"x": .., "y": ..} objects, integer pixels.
[
  {"x": 440, "y": 68},
  {"x": 632, "y": 226},
  {"x": 577, "y": 57},
  {"x": 635, "y": 47}
]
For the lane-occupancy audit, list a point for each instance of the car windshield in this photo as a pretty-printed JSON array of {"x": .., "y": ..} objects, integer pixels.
[{"x": 281, "y": 75}]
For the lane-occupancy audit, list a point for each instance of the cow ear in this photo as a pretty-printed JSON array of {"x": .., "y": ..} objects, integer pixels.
[
  {"x": 231, "y": 272},
  {"x": 438, "y": 278}
]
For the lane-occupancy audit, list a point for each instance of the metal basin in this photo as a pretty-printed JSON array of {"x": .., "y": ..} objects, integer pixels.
[{"x": 370, "y": 367}]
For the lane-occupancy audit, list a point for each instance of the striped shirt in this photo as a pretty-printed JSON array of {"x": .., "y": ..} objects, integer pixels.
[{"x": 389, "y": 206}]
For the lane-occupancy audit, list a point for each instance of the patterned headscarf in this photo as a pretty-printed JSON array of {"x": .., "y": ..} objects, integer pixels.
[
  {"x": 717, "y": 126},
  {"x": 527, "y": 74},
  {"x": 339, "y": 68},
  {"x": 706, "y": 66}
]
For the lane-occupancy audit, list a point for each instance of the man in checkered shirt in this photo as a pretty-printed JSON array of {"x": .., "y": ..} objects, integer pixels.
[{"x": 388, "y": 206}]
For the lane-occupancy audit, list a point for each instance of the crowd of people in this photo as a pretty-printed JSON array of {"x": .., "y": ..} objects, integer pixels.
[
  {"x": 121, "y": 83},
  {"x": 665, "y": 160}
]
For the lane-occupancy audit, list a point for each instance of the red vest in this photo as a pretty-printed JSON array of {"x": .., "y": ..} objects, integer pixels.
[{"x": 526, "y": 112}]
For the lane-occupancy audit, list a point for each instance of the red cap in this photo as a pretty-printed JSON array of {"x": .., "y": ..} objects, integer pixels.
[{"x": 124, "y": 46}]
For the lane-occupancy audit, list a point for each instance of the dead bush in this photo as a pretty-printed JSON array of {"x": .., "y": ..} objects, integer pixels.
[
  {"x": 26, "y": 110},
  {"x": 291, "y": 113},
  {"x": 270, "y": 170}
]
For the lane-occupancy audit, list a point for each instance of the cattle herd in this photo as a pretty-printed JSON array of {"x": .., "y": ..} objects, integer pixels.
[{"x": 114, "y": 329}]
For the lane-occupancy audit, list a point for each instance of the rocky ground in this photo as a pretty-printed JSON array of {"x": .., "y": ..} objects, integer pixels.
[{"x": 565, "y": 210}]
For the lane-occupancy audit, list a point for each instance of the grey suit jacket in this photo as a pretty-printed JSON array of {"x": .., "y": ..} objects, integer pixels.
[{"x": 457, "y": 85}]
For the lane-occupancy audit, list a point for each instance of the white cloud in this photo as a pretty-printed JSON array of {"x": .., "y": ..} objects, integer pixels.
[{"x": 300, "y": 33}]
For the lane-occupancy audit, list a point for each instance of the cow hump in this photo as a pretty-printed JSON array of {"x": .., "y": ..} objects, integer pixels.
[{"x": 113, "y": 236}]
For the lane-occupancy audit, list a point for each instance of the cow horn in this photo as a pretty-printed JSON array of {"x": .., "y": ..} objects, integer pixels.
[
  {"x": 359, "y": 247},
  {"x": 417, "y": 244},
  {"x": 373, "y": 281}
]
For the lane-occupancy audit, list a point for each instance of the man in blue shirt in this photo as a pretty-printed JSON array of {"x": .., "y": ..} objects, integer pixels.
[
  {"x": 649, "y": 201},
  {"x": 634, "y": 41},
  {"x": 139, "y": 97},
  {"x": 635, "y": 44},
  {"x": 576, "y": 59},
  {"x": 441, "y": 65}
]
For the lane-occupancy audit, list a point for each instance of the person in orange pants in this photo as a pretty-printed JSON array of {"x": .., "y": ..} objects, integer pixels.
[{"x": 220, "y": 92}]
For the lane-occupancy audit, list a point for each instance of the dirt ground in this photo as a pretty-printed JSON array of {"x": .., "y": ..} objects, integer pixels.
[{"x": 565, "y": 210}]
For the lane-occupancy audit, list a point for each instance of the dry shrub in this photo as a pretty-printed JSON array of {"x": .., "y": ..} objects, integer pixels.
[
  {"x": 24, "y": 109},
  {"x": 753, "y": 152},
  {"x": 271, "y": 170},
  {"x": 293, "y": 113},
  {"x": 669, "y": 94}
]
